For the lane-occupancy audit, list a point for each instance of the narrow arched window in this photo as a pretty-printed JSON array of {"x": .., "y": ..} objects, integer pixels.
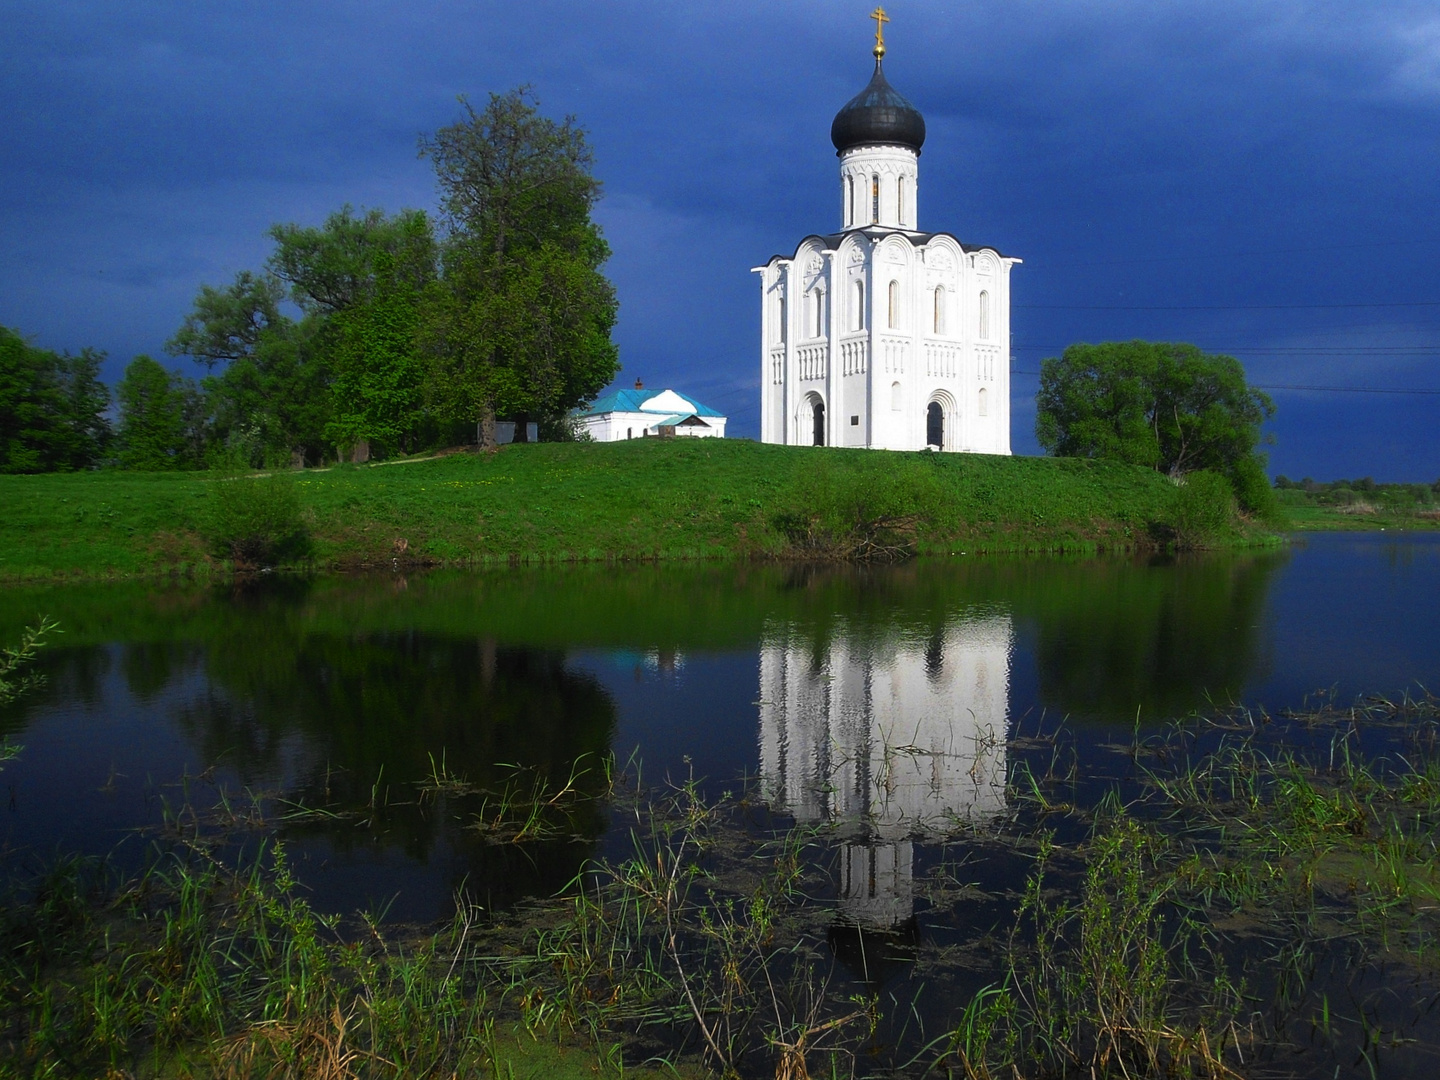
[
  {"x": 894, "y": 304},
  {"x": 939, "y": 309},
  {"x": 985, "y": 315},
  {"x": 857, "y": 318},
  {"x": 849, "y": 197},
  {"x": 900, "y": 199},
  {"x": 896, "y": 399},
  {"x": 984, "y": 402},
  {"x": 817, "y": 308},
  {"x": 875, "y": 199},
  {"x": 784, "y": 335}
]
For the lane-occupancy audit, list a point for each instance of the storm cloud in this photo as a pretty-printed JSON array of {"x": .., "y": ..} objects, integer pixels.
[{"x": 1258, "y": 179}]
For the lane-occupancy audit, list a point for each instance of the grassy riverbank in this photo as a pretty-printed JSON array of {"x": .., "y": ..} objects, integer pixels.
[{"x": 646, "y": 499}]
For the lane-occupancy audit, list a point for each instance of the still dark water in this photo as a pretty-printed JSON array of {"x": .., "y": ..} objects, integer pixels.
[{"x": 344, "y": 692}]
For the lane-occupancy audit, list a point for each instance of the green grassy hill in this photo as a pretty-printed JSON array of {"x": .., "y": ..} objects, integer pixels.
[{"x": 644, "y": 499}]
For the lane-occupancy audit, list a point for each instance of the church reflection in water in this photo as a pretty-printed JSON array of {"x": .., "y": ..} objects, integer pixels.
[{"x": 893, "y": 739}]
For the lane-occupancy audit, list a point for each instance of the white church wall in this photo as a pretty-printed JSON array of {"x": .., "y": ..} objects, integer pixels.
[
  {"x": 857, "y": 412},
  {"x": 924, "y": 360},
  {"x": 893, "y": 166},
  {"x": 714, "y": 428},
  {"x": 832, "y": 340}
]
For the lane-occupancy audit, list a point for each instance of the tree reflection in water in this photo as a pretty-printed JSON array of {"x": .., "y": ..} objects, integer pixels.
[{"x": 887, "y": 695}]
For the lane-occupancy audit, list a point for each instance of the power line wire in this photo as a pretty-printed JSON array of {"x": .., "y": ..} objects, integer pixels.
[
  {"x": 1301, "y": 350},
  {"x": 1332, "y": 389},
  {"x": 1297, "y": 350},
  {"x": 1220, "y": 307},
  {"x": 1040, "y": 260},
  {"x": 1348, "y": 389}
]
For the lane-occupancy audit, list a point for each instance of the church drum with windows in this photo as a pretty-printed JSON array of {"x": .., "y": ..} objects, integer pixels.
[{"x": 880, "y": 335}]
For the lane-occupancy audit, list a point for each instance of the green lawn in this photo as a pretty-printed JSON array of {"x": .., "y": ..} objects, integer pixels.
[{"x": 642, "y": 499}]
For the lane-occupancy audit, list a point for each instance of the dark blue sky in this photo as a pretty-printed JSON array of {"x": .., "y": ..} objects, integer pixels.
[{"x": 1232, "y": 174}]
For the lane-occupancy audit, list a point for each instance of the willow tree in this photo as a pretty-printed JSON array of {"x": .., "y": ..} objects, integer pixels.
[
  {"x": 269, "y": 391},
  {"x": 519, "y": 322},
  {"x": 1165, "y": 406},
  {"x": 364, "y": 277}
]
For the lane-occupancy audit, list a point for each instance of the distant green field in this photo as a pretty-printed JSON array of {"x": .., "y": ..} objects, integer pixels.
[
  {"x": 1310, "y": 515},
  {"x": 637, "y": 500},
  {"x": 1333, "y": 519}
]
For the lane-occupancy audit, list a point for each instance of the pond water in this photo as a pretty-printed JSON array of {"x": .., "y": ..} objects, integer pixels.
[
  {"x": 892, "y": 702},
  {"x": 345, "y": 693}
]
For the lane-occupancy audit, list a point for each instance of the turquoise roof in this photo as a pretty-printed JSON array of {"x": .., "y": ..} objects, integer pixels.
[{"x": 631, "y": 400}]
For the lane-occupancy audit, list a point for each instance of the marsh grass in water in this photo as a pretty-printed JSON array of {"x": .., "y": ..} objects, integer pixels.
[
  {"x": 709, "y": 928},
  {"x": 15, "y": 679},
  {"x": 1247, "y": 895},
  {"x": 1194, "y": 935},
  {"x": 199, "y": 969},
  {"x": 525, "y": 805}
]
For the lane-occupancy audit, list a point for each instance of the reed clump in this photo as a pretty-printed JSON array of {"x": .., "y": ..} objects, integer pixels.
[
  {"x": 856, "y": 515},
  {"x": 1093, "y": 986},
  {"x": 1190, "y": 929},
  {"x": 705, "y": 930},
  {"x": 197, "y": 969},
  {"x": 1205, "y": 513}
]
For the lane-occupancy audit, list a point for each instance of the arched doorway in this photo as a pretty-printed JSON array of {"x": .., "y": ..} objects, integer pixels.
[
  {"x": 935, "y": 425},
  {"x": 819, "y": 414}
]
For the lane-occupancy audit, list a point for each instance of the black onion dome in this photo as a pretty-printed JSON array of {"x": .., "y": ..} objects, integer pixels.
[{"x": 878, "y": 114}]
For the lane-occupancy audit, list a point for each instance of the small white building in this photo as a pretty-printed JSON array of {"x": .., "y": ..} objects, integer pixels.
[
  {"x": 638, "y": 413},
  {"x": 880, "y": 335}
]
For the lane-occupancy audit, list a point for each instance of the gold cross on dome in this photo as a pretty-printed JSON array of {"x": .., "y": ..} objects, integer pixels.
[{"x": 880, "y": 20}]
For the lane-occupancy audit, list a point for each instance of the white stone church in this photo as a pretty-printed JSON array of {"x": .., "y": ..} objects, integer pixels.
[{"x": 881, "y": 335}]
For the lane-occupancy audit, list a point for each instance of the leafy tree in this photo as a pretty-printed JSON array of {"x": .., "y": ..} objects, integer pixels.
[
  {"x": 52, "y": 408},
  {"x": 230, "y": 324},
  {"x": 270, "y": 399},
  {"x": 1166, "y": 406},
  {"x": 153, "y": 423},
  {"x": 520, "y": 322},
  {"x": 196, "y": 421},
  {"x": 365, "y": 277}
]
